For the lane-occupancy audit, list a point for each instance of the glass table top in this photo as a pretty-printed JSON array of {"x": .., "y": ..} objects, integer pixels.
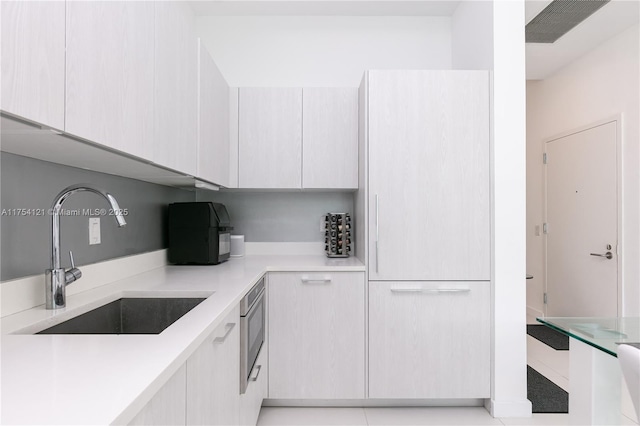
[{"x": 602, "y": 333}]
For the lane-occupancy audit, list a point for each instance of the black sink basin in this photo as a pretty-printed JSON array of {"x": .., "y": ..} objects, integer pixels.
[{"x": 128, "y": 316}]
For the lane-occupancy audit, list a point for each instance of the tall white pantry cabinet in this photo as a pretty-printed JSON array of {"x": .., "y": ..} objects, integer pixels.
[{"x": 425, "y": 195}]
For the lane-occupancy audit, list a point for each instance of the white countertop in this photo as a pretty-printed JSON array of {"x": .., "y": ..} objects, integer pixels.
[{"x": 104, "y": 379}]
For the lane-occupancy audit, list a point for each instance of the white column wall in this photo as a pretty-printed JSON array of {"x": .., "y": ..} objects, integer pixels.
[{"x": 509, "y": 390}]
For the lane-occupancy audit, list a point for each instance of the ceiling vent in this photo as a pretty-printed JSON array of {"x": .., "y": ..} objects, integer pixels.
[{"x": 558, "y": 18}]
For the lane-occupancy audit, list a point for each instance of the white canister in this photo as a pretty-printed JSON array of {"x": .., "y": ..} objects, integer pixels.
[{"x": 237, "y": 245}]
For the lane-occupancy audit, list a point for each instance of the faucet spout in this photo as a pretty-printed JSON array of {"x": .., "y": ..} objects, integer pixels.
[{"x": 56, "y": 277}]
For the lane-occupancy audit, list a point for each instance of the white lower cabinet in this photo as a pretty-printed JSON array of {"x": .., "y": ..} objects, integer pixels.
[
  {"x": 251, "y": 400},
  {"x": 213, "y": 378},
  {"x": 316, "y": 335},
  {"x": 167, "y": 407},
  {"x": 429, "y": 339}
]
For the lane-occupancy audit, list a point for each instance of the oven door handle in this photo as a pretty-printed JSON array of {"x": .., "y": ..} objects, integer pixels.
[
  {"x": 219, "y": 340},
  {"x": 257, "y": 370}
]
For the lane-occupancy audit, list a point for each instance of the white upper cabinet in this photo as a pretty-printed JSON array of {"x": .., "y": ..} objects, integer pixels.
[
  {"x": 33, "y": 44},
  {"x": 429, "y": 175},
  {"x": 175, "y": 87},
  {"x": 270, "y": 138},
  {"x": 109, "y": 74},
  {"x": 330, "y": 138},
  {"x": 213, "y": 122},
  {"x": 298, "y": 138},
  {"x": 233, "y": 137}
]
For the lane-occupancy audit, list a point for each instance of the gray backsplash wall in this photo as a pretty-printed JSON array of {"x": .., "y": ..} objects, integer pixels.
[
  {"x": 279, "y": 216},
  {"x": 33, "y": 184}
]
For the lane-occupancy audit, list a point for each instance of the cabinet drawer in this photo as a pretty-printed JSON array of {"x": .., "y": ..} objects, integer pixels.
[
  {"x": 316, "y": 335},
  {"x": 429, "y": 339}
]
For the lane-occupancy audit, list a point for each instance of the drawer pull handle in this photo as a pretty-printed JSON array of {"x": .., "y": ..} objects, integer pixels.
[
  {"x": 230, "y": 326},
  {"x": 257, "y": 370},
  {"x": 308, "y": 280},
  {"x": 377, "y": 234},
  {"x": 430, "y": 290}
]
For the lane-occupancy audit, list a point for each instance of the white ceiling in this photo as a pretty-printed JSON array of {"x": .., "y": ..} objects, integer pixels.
[
  {"x": 545, "y": 59},
  {"x": 325, "y": 7}
]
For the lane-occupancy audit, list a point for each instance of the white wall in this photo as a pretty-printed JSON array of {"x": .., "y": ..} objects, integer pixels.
[
  {"x": 509, "y": 397},
  {"x": 472, "y": 35},
  {"x": 264, "y": 216},
  {"x": 597, "y": 86},
  {"x": 322, "y": 51},
  {"x": 490, "y": 35}
]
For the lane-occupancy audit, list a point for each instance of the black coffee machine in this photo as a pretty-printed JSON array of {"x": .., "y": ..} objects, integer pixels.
[{"x": 199, "y": 233}]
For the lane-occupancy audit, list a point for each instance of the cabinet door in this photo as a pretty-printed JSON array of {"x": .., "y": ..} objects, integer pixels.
[
  {"x": 213, "y": 122},
  {"x": 213, "y": 376},
  {"x": 175, "y": 87},
  {"x": 429, "y": 180},
  {"x": 233, "y": 137},
  {"x": 429, "y": 340},
  {"x": 316, "y": 335},
  {"x": 33, "y": 60},
  {"x": 167, "y": 407},
  {"x": 109, "y": 98},
  {"x": 251, "y": 400},
  {"x": 270, "y": 138},
  {"x": 330, "y": 138}
]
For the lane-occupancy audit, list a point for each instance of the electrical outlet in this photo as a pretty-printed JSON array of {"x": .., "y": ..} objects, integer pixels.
[{"x": 94, "y": 230}]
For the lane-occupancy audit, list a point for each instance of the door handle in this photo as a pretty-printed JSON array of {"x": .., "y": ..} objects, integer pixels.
[
  {"x": 430, "y": 290},
  {"x": 230, "y": 327},
  {"x": 377, "y": 233},
  {"x": 608, "y": 255},
  {"x": 307, "y": 280}
]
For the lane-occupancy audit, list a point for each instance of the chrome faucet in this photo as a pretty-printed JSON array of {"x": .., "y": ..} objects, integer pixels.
[{"x": 57, "y": 278}]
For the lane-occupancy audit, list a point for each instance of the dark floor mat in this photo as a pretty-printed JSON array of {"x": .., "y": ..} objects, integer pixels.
[
  {"x": 545, "y": 396},
  {"x": 549, "y": 336}
]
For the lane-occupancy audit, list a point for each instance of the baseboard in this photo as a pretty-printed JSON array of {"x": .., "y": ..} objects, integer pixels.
[
  {"x": 25, "y": 293},
  {"x": 509, "y": 408},
  {"x": 535, "y": 313},
  {"x": 469, "y": 402}
]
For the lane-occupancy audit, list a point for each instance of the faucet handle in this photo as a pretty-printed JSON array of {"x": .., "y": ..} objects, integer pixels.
[{"x": 74, "y": 273}]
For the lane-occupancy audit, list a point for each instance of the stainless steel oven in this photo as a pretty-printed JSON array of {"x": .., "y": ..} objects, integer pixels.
[{"x": 252, "y": 329}]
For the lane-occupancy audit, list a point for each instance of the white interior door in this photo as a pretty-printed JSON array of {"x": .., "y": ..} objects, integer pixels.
[{"x": 582, "y": 223}]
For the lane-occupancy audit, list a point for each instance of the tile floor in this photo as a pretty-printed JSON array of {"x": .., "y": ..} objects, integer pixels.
[{"x": 547, "y": 361}]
